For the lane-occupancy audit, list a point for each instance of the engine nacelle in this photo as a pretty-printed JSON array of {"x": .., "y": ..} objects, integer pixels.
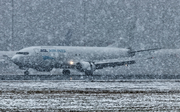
[{"x": 85, "y": 66}]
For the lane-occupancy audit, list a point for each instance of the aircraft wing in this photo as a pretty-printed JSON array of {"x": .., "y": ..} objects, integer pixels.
[
  {"x": 114, "y": 64},
  {"x": 101, "y": 65}
]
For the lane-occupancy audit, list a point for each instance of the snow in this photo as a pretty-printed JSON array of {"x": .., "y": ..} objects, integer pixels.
[
  {"x": 127, "y": 95},
  {"x": 93, "y": 22},
  {"x": 139, "y": 24}
]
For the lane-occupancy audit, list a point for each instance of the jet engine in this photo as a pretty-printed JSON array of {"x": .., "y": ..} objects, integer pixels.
[{"x": 87, "y": 67}]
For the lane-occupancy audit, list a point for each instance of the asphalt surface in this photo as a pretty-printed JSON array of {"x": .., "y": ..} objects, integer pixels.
[
  {"x": 87, "y": 78},
  {"x": 56, "y": 95}
]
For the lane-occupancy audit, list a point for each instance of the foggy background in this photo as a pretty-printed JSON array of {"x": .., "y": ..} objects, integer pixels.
[
  {"x": 135, "y": 23},
  {"x": 140, "y": 24}
]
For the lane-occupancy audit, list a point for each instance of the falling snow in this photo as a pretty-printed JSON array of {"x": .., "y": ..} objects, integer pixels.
[{"x": 135, "y": 24}]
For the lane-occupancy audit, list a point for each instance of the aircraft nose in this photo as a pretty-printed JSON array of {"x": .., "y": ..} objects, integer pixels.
[{"x": 15, "y": 59}]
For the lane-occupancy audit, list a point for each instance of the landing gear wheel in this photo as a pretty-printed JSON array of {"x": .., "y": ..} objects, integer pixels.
[
  {"x": 88, "y": 73},
  {"x": 26, "y": 73},
  {"x": 66, "y": 72}
]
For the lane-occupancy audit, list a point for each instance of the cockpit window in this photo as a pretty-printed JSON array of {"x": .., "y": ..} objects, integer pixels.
[{"x": 24, "y": 53}]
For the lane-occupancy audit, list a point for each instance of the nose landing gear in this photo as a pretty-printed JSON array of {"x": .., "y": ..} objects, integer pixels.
[{"x": 26, "y": 72}]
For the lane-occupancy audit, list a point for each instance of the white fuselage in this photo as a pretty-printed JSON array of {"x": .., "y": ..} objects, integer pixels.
[{"x": 42, "y": 56}]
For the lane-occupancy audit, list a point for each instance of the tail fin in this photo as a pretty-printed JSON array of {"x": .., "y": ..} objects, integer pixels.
[{"x": 68, "y": 37}]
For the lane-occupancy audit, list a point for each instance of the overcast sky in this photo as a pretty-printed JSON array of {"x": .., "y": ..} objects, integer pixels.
[{"x": 133, "y": 23}]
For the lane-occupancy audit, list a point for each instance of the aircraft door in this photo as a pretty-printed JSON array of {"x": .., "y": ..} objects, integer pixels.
[
  {"x": 37, "y": 58},
  {"x": 36, "y": 50}
]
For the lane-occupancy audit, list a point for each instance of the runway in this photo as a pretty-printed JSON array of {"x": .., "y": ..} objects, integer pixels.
[
  {"x": 96, "y": 77},
  {"x": 127, "y": 95}
]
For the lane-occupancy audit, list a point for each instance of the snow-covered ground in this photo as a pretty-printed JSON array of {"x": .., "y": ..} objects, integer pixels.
[{"x": 82, "y": 95}]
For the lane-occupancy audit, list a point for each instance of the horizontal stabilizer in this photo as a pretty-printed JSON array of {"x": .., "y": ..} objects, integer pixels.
[
  {"x": 145, "y": 50},
  {"x": 132, "y": 53}
]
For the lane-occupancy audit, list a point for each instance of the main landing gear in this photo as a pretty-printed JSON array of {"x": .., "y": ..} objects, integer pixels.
[
  {"x": 66, "y": 72},
  {"x": 89, "y": 72}
]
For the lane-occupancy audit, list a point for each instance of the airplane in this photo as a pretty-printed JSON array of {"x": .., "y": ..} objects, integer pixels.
[{"x": 83, "y": 59}]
